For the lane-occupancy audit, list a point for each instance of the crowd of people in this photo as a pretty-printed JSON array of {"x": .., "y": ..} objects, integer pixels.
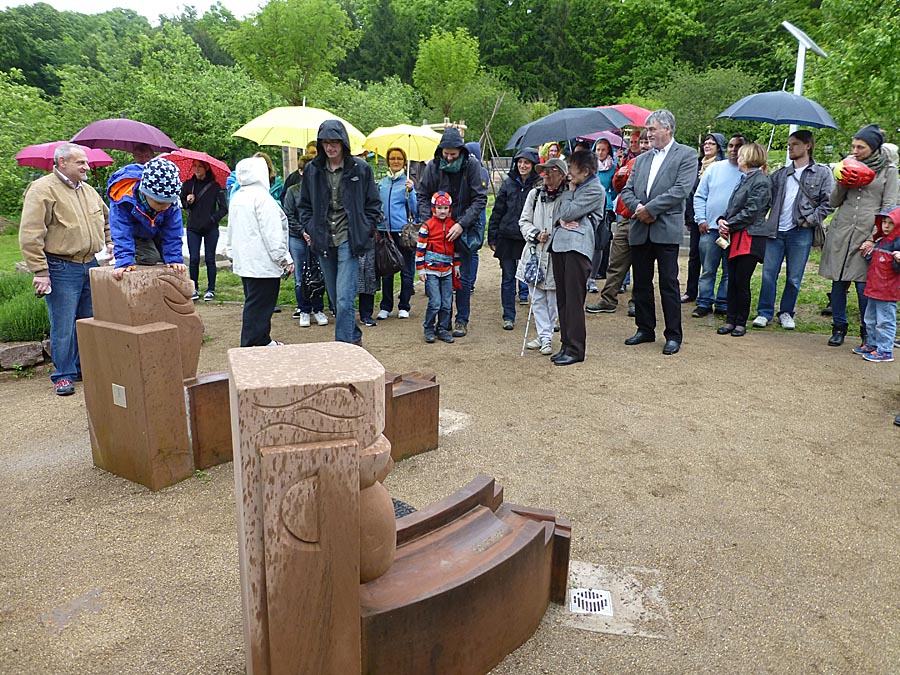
[{"x": 568, "y": 215}]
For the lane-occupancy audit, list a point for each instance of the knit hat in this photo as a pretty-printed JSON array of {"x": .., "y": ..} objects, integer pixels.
[
  {"x": 160, "y": 181},
  {"x": 441, "y": 198},
  {"x": 871, "y": 136}
]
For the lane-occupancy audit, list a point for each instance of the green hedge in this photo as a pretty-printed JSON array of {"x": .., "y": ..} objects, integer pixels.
[{"x": 23, "y": 317}]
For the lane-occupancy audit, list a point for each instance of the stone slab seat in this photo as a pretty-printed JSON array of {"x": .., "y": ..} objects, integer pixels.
[{"x": 471, "y": 580}]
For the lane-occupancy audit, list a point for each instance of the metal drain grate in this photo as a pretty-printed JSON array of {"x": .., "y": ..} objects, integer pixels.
[{"x": 590, "y": 601}]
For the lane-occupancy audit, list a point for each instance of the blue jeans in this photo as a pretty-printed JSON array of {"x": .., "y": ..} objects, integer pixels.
[
  {"x": 68, "y": 301},
  {"x": 711, "y": 257},
  {"x": 839, "y": 301},
  {"x": 440, "y": 300},
  {"x": 881, "y": 324},
  {"x": 341, "y": 271},
  {"x": 298, "y": 248},
  {"x": 209, "y": 239},
  {"x": 792, "y": 246},
  {"x": 466, "y": 279},
  {"x": 474, "y": 269},
  {"x": 406, "y": 283}
]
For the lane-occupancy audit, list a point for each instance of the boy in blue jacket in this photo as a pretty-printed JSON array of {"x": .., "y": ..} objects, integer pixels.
[{"x": 146, "y": 228}]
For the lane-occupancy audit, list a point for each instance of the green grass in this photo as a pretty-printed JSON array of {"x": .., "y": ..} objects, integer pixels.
[
  {"x": 23, "y": 317},
  {"x": 10, "y": 253}
]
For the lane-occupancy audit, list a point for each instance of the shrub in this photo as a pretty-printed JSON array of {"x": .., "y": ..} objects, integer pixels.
[{"x": 23, "y": 316}]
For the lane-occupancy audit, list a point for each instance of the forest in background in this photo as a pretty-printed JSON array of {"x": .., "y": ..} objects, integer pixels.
[{"x": 385, "y": 62}]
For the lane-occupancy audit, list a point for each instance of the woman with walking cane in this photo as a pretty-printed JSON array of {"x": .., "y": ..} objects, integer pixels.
[{"x": 535, "y": 269}]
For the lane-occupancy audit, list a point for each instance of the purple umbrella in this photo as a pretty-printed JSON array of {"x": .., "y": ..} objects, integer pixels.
[{"x": 123, "y": 134}]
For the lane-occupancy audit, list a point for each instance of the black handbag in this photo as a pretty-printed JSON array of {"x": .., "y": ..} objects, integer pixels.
[
  {"x": 388, "y": 259},
  {"x": 409, "y": 235},
  {"x": 312, "y": 281}
]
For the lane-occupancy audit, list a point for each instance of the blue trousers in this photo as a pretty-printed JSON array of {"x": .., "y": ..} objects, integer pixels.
[
  {"x": 68, "y": 301},
  {"x": 341, "y": 271}
]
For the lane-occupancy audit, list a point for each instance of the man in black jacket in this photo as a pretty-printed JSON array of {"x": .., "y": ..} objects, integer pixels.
[
  {"x": 454, "y": 172},
  {"x": 339, "y": 207}
]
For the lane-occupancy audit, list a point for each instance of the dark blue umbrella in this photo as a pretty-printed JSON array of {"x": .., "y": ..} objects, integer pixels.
[
  {"x": 567, "y": 123},
  {"x": 780, "y": 107}
]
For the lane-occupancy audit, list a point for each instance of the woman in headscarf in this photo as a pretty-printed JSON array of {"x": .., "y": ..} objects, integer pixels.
[{"x": 853, "y": 224}]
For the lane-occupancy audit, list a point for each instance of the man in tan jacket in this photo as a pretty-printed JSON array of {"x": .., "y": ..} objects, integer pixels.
[{"x": 64, "y": 224}]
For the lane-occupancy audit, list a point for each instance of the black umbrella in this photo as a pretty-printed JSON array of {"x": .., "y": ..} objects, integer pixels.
[
  {"x": 567, "y": 123},
  {"x": 780, "y": 107}
]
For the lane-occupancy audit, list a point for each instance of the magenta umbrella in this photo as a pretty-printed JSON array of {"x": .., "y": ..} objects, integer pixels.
[
  {"x": 123, "y": 134},
  {"x": 40, "y": 156}
]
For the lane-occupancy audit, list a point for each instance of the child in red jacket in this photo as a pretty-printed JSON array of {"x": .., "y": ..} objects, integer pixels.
[
  {"x": 882, "y": 288},
  {"x": 438, "y": 266}
]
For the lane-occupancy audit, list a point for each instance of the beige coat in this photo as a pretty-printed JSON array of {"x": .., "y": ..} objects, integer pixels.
[
  {"x": 853, "y": 223},
  {"x": 537, "y": 215},
  {"x": 60, "y": 221}
]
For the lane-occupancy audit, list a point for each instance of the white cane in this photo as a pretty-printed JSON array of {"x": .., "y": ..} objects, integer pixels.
[{"x": 528, "y": 321}]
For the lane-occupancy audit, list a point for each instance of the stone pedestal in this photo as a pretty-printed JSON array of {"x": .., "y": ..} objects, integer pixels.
[
  {"x": 135, "y": 400},
  {"x": 411, "y": 413}
]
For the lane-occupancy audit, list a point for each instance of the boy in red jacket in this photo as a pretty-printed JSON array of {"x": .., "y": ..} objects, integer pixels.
[
  {"x": 882, "y": 288},
  {"x": 438, "y": 266}
]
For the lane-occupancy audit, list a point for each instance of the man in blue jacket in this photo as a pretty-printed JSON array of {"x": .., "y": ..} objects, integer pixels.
[
  {"x": 339, "y": 209},
  {"x": 452, "y": 171}
]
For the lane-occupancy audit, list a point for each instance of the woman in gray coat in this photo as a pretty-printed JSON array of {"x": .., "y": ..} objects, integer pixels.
[
  {"x": 852, "y": 224},
  {"x": 581, "y": 208}
]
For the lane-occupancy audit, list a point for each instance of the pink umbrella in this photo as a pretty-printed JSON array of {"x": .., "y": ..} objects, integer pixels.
[
  {"x": 614, "y": 139},
  {"x": 123, "y": 134},
  {"x": 40, "y": 156},
  {"x": 184, "y": 159},
  {"x": 635, "y": 113}
]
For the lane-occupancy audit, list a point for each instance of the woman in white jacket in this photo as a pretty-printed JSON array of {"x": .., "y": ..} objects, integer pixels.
[{"x": 258, "y": 246}]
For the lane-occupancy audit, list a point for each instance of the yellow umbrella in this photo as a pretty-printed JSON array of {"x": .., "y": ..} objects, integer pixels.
[
  {"x": 294, "y": 126},
  {"x": 419, "y": 143}
]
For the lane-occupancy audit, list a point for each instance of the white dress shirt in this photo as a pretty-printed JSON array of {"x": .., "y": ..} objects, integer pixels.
[{"x": 658, "y": 157}]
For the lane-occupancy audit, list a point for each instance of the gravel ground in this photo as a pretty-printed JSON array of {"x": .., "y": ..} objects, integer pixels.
[{"x": 759, "y": 476}]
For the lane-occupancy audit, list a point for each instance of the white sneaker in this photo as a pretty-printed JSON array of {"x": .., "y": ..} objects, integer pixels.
[
  {"x": 320, "y": 318},
  {"x": 304, "y": 320},
  {"x": 787, "y": 321},
  {"x": 403, "y": 314},
  {"x": 275, "y": 343},
  {"x": 760, "y": 322},
  {"x": 546, "y": 347},
  {"x": 383, "y": 314},
  {"x": 534, "y": 344}
]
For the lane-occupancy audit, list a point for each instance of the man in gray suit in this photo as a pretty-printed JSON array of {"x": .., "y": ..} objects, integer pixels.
[{"x": 660, "y": 182}]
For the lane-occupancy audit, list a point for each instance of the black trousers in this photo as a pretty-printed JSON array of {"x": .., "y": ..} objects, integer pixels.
[
  {"x": 570, "y": 272},
  {"x": 260, "y": 296},
  {"x": 693, "y": 280},
  {"x": 665, "y": 256},
  {"x": 740, "y": 271}
]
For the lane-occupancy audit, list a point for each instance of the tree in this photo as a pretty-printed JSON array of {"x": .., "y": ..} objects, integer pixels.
[
  {"x": 695, "y": 98},
  {"x": 446, "y": 64},
  {"x": 290, "y": 42},
  {"x": 375, "y": 104},
  {"x": 27, "y": 119},
  {"x": 476, "y": 106},
  {"x": 857, "y": 83}
]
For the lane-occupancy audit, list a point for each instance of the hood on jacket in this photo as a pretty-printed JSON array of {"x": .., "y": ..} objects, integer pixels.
[
  {"x": 894, "y": 214},
  {"x": 451, "y": 138},
  {"x": 475, "y": 150},
  {"x": 721, "y": 143},
  {"x": 121, "y": 183},
  {"x": 525, "y": 153},
  {"x": 331, "y": 129},
  {"x": 252, "y": 171}
]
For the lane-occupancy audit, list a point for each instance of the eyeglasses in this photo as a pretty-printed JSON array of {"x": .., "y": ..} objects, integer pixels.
[
  {"x": 331, "y": 142},
  {"x": 710, "y": 143}
]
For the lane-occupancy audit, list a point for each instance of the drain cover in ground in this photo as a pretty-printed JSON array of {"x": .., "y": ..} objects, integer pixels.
[{"x": 621, "y": 601}]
